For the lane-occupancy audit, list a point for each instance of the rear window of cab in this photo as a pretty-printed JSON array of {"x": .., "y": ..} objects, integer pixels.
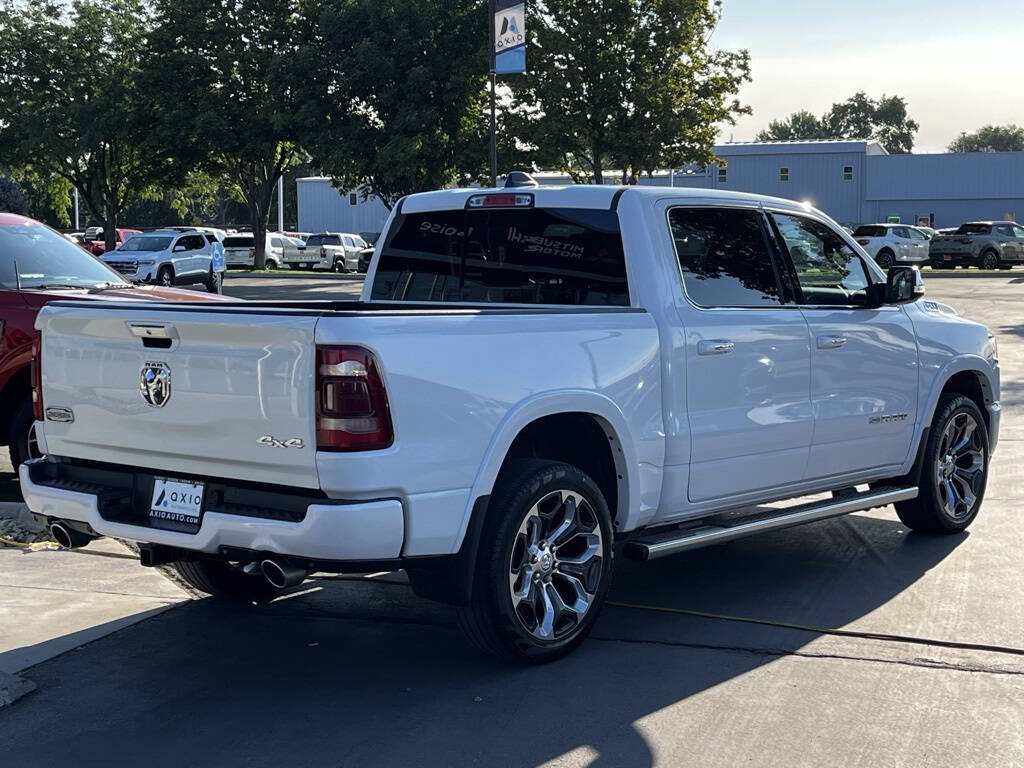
[{"x": 553, "y": 256}]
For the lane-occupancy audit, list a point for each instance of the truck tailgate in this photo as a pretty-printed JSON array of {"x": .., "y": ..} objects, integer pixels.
[{"x": 211, "y": 392}]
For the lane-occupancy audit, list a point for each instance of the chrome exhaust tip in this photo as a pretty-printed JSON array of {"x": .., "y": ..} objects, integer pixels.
[
  {"x": 281, "y": 575},
  {"x": 68, "y": 537}
]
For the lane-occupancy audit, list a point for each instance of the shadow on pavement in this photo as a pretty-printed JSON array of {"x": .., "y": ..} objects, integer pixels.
[{"x": 358, "y": 672}]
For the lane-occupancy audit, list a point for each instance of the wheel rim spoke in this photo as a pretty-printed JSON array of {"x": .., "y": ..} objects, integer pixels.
[
  {"x": 556, "y": 565},
  {"x": 960, "y": 465}
]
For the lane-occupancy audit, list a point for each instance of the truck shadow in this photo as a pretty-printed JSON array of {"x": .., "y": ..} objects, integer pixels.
[{"x": 360, "y": 672}]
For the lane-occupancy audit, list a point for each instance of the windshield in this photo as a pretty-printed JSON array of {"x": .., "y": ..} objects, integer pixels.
[
  {"x": 47, "y": 259},
  {"x": 147, "y": 243}
]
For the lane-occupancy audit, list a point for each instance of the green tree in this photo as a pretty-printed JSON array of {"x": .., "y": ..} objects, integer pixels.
[
  {"x": 991, "y": 138},
  {"x": 801, "y": 125},
  {"x": 859, "y": 117},
  {"x": 393, "y": 93},
  {"x": 11, "y": 198},
  {"x": 222, "y": 77},
  {"x": 68, "y": 97},
  {"x": 627, "y": 84}
]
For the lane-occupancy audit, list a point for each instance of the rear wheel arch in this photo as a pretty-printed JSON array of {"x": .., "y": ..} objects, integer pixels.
[
  {"x": 610, "y": 457},
  {"x": 18, "y": 387}
]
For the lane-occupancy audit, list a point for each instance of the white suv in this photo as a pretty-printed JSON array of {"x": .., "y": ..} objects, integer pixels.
[
  {"x": 888, "y": 244},
  {"x": 166, "y": 257}
]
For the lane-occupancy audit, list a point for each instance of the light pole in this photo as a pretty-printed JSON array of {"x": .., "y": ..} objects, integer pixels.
[{"x": 494, "y": 106}]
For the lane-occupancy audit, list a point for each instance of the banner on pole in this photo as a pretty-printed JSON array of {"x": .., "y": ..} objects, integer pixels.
[{"x": 510, "y": 37}]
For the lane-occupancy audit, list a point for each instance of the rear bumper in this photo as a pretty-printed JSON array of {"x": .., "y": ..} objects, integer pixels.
[{"x": 328, "y": 530}]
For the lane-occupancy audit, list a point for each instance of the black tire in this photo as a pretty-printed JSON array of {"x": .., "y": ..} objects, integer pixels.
[
  {"x": 989, "y": 260},
  {"x": 224, "y": 580},
  {"x": 269, "y": 265},
  {"x": 20, "y": 438},
  {"x": 491, "y": 620},
  {"x": 339, "y": 265},
  {"x": 885, "y": 258},
  {"x": 165, "y": 277},
  {"x": 215, "y": 282},
  {"x": 928, "y": 513}
]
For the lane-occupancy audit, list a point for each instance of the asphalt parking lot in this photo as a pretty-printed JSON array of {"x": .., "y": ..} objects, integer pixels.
[{"x": 849, "y": 642}]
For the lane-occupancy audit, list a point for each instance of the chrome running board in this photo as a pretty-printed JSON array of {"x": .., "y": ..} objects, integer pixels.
[{"x": 668, "y": 542}]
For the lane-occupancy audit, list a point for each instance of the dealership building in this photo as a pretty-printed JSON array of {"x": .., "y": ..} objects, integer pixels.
[{"x": 855, "y": 182}]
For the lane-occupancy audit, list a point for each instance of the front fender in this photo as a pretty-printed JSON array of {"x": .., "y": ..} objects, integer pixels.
[{"x": 960, "y": 364}]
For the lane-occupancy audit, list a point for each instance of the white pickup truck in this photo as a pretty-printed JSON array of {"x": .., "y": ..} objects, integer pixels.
[{"x": 533, "y": 379}]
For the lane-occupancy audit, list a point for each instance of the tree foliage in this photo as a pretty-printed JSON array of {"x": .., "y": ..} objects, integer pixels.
[
  {"x": 394, "y": 97},
  {"x": 991, "y": 138},
  {"x": 859, "y": 117},
  {"x": 221, "y": 81},
  {"x": 626, "y": 84},
  {"x": 11, "y": 198},
  {"x": 68, "y": 86}
]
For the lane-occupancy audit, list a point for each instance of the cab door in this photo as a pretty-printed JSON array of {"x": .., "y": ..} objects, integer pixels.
[
  {"x": 864, "y": 362},
  {"x": 747, "y": 358}
]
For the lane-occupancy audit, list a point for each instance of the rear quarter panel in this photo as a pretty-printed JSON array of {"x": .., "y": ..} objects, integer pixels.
[{"x": 461, "y": 386}]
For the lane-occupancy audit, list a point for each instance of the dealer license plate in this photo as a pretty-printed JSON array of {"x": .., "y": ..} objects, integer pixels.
[{"x": 177, "y": 501}]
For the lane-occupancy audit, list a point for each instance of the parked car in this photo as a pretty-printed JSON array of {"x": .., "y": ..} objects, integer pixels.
[
  {"x": 240, "y": 251},
  {"x": 365, "y": 257},
  {"x": 38, "y": 265},
  {"x": 982, "y": 244},
  {"x": 889, "y": 244},
  {"x": 99, "y": 246},
  {"x": 338, "y": 251},
  {"x": 168, "y": 257},
  {"x": 928, "y": 232},
  {"x": 370, "y": 237},
  {"x": 510, "y": 398}
]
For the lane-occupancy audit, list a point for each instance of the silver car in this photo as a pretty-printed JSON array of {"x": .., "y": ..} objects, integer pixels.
[{"x": 166, "y": 257}]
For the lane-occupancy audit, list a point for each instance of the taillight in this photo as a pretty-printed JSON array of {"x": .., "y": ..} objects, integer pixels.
[
  {"x": 352, "y": 412},
  {"x": 36, "y": 376}
]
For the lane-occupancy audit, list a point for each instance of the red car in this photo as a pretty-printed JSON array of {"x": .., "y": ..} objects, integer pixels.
[
  {"x": 39, "y": 265},
  {"x": 98, "y": 247}
]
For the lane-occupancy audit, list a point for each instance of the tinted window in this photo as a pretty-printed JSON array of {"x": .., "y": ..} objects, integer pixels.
[
  {"x": 45, "y": 258},
  {"x": 349, "y": 241},
  {"x": 1004, "y": 229},
  {"x": 724, "y": 257},
  {"x": 277, "y": 242},
  {"x": 1018, "y": 230},
  {"x": 526, "y": 256},
  {"x": 237, "y": 241},
  {"x": 827, "y": 269},
  {"x": 974, "y": 229},
  {"x": 146, "y": 243},
  {"x": 869, "y": 231}
]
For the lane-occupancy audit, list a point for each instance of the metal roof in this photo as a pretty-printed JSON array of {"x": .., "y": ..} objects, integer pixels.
[{"x": 808, "y": 146}]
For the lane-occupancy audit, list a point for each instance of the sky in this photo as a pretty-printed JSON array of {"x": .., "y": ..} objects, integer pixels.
[{"x": 959, "y": 65}]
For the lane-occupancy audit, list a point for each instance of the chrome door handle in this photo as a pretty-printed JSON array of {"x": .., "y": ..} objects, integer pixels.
[
  {"x": 831, "y": 342},
  {"x": 715, "y": 347}
]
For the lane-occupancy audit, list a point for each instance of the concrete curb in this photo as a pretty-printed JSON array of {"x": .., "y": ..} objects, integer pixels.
[{"x": 13, "y": 688}]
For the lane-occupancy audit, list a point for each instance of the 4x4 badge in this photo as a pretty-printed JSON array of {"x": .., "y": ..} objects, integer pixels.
[{"x": 155, "y": 384}]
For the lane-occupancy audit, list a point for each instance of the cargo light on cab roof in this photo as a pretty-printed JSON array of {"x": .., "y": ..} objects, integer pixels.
[{"x": 500, "y": 200}]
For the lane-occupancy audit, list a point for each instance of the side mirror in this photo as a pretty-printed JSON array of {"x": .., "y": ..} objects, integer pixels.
[{"x": 903, "y": 285}]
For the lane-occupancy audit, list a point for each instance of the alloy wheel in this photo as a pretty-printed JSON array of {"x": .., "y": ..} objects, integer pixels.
[
  {"x": 960, "y": 466},
  {"x": 556, "y": 565},
  {"x": 990, "y": 261}
]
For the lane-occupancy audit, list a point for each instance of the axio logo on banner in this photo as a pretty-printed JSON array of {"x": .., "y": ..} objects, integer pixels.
[{"x": 509, "y": 37}]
